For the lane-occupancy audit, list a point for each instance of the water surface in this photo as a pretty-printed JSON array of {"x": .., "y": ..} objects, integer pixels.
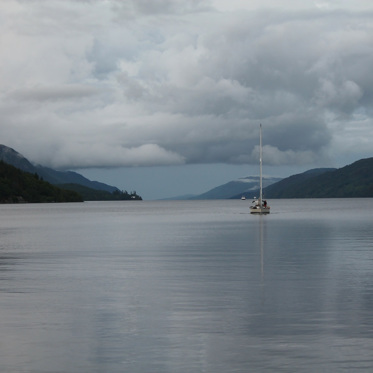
[{"x": 187, "y": 286}]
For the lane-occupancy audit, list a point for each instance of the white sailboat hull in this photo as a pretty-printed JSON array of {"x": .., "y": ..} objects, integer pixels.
[{"x": 259, "y": 210}]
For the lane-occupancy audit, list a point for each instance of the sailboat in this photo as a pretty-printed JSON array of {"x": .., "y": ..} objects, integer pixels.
[{"x": 260, "y": 205}]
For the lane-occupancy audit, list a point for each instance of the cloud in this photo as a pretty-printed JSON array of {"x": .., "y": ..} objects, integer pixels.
[
  {"x": 54, "y": 93},
  {"x": 136, "y": 8},
  {"x": 85, "y": 155},
  {"x": 92, "y": 83},
  {"x": 274, "y": 156}
]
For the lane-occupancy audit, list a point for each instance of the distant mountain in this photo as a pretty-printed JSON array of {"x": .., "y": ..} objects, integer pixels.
[
  {"x": 70, "y": 177},
  {"x": 12, "y": 157},
  {"x": 236, "y": 188},
  {"x": 354, "y": 180}
]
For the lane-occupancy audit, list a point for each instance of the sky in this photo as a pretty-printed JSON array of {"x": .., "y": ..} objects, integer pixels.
[{"x": 165, "y": 97}]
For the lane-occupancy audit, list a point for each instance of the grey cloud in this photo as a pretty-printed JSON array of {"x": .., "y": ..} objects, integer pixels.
[
  {"x": 86, "y": 155},
  {"x": 190, "y": 84},
  {"x": 55, "y": 93},
  {"x": 132, "y": 89},
  {"x": 135, "y": 8}
]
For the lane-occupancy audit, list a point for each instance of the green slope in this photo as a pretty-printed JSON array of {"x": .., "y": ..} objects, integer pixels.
[
  {"x": 355, "y": 180},
  {"x": 19, "y": 186},
  {"x": 287, "y": 187}
]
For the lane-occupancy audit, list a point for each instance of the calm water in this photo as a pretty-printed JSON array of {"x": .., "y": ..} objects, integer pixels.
[{"x": 175, "y": 287}]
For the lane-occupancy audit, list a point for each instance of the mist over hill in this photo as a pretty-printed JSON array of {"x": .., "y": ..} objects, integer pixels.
[
  {"x": 354, "y": 180},
  {"x": 240, "y": 187},
  {"x": 70, "y": 181}
]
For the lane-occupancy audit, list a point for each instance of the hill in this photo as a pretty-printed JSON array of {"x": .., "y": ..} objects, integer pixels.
[
  {"x": 12, "y": 157},
  {"x": 68, "y": 180},
  {"x": 20, "y": 186},
  {"x": 286, "y": 187},
  {"x": 236, "y": 188},
  {"x": 354, "y": 180}
]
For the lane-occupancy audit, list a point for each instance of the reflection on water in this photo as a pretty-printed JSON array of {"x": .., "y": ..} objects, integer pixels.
[
  {"x": 261, "y": 241},
  {"x": 186, "y": 287}
]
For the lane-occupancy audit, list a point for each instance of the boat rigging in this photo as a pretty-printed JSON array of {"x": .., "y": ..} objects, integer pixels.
[{"x": 260, "y": 206}]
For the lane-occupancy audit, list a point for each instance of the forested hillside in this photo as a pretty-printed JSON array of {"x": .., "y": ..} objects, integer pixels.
[
  {"x": 90, "y": 194},
  {"x": 354, "y": 180},
  {"x": 18, "y": 186}
]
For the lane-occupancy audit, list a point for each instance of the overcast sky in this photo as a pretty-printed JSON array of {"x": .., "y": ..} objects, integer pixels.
[{"x": 165, "y": 97}]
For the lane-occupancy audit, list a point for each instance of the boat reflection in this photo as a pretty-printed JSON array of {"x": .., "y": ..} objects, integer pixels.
[{"x": 261, "y": 228}]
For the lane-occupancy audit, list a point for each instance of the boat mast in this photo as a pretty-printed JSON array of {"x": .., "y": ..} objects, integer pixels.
[{"x": 260, "y": 161}]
